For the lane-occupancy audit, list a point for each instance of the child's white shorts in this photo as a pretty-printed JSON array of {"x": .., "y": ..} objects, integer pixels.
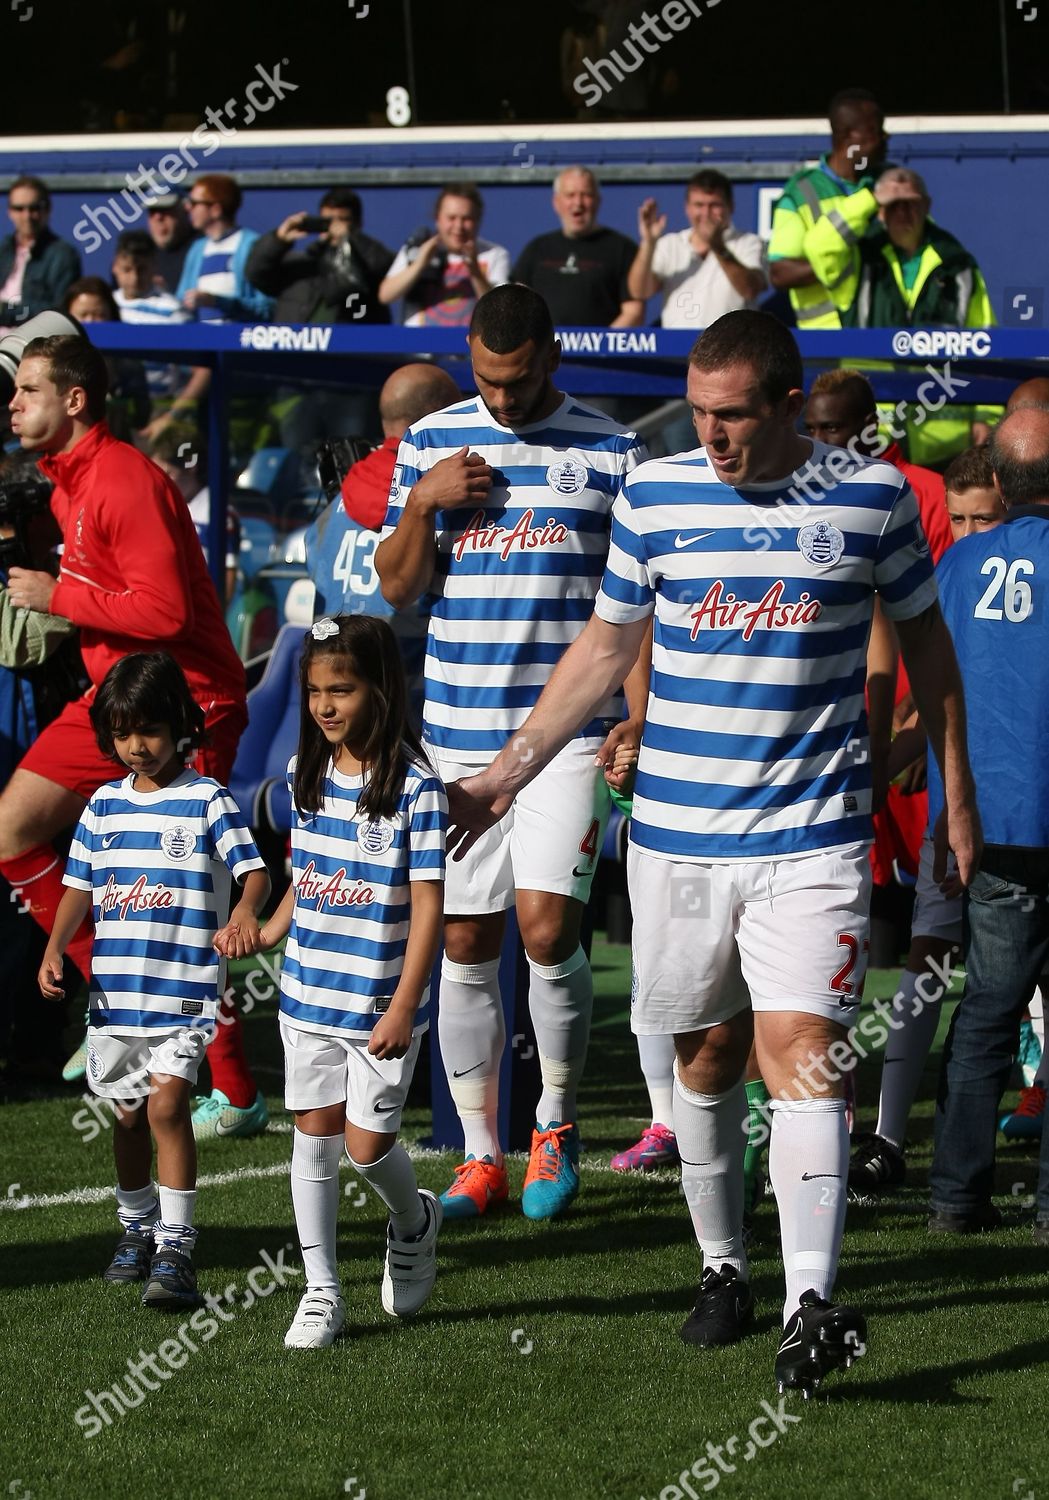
[
  {"x": 788, "y": 934},
  {"x": 321, "y": 1069},
  {"x": 550, "y": 840},
  {"x": 119, "y": 1064},
  {"x": 935, "y": 915}
]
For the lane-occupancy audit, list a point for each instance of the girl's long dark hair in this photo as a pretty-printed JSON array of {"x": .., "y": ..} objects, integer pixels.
[
  {"x": 369, "y": 648},
  {"x": 148, "y": 687}
]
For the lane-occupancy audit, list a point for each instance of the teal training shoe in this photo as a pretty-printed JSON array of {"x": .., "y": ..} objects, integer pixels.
[
  {"x": 216, "y": 1116},
  {"x": 76, "y": 1068},
  {"x": 552, "y": 1179}
]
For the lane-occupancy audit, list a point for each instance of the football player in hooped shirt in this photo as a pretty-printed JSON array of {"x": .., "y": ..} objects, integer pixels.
[
  {"x": 500, "y": 512},
  {"x": 759, "y": 554}
]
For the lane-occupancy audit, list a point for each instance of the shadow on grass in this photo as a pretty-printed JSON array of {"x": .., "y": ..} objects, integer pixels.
[{"x": 936, "y": 1383}]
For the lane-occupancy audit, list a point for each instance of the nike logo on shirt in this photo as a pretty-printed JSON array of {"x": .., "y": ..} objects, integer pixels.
[
  {"x": 108, "y": 840},
  {"x": 681, "y": 540}
]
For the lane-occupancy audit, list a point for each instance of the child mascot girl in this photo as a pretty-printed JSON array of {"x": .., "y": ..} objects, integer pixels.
[{"x": 363, "y": 922}]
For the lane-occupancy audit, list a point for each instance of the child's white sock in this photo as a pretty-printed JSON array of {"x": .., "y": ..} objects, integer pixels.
[
  {"x": 174, "y": 1229},
  {"x": 315, "y": 1199},
  {"x": 393, "y": 1178},
  {"x": 137, "y": 1208}
]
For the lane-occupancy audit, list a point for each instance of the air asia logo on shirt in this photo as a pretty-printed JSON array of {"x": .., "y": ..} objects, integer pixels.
[
  {"x": 140, "y": 896},
  {"x": 179, "y": 842},
  {"x": 479, "y": 537},
  {"x": 375, "y": 838},
  {"x": 720, "y": 611},
  {"x": 821, "y": 544},
  {"x": 569, "y": 477},
  {"x": 335, "y": 889}
]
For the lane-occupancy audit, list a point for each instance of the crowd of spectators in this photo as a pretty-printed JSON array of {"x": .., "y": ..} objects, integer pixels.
[{"x": 853, "y": 244}]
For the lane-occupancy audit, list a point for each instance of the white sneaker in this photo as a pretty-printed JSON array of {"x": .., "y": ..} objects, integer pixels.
[
  {"x": 411, "y": 1265},
  {"x": 317, "y": 1321}
]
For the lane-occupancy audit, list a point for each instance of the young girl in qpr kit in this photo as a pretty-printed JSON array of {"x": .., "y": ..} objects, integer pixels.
[
  {"x": 153, "y": 858},
  {"x": 363, "y": 917}
]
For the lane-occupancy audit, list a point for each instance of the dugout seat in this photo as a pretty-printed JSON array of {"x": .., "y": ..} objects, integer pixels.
[{"x": 272, "y": 735}]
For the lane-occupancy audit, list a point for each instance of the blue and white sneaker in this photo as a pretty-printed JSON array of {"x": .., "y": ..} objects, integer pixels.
[
  {"x": 131, "y": 1258},
  {"x": 172, "y": 1282},
  {"x": 552, "y": 1179}
]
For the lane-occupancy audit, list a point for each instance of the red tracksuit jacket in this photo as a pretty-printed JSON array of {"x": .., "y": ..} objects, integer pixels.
[{"x": 133, "y": 575}]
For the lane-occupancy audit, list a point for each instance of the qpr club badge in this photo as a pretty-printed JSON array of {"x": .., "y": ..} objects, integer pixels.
[
  {"x": 375, "y": 838},
  {"x": 821, "y": 544},
  {"x": 569, "y": 477},
  {"x": 179, "y": 842}
]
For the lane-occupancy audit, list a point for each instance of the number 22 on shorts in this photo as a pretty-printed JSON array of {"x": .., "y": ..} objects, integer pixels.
[{"x": 842, "y": 982}]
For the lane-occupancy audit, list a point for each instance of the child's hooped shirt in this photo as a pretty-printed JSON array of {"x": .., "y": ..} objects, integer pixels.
[
  {"x": 159, "y": 866},
  {"x": 352, "y": 876}
]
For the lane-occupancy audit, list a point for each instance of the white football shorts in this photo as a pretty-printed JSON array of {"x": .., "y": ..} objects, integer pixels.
[
  {"x": 321, "y": 1068},
  {"x": 935, "y": 915},
  {"x": 787, "y": 934},
  {"x": 550, "y": 840},
  {"x": 119, "y": 1064}
]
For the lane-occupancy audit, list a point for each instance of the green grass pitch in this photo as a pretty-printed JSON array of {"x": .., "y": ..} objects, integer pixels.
[{"x": 546, "y": 1366}]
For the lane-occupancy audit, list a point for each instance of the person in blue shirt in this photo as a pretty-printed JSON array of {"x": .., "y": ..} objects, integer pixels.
[{"x": 995, "y": 593}]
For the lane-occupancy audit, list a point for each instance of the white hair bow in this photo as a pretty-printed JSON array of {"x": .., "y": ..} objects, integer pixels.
[{"x": 322, "y": 629}]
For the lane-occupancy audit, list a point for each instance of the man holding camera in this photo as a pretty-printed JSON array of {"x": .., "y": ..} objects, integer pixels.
[{"x": 335, "y": 279}]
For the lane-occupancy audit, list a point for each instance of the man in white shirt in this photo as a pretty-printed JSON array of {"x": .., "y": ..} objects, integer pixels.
[{"x": 704, "y": 271}]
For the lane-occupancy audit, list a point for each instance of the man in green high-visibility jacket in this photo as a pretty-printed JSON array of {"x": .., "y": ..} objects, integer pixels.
[
  {"x": 907, "y": 271},
  {"x": 817, "y": 217},
  {"x": 910, "y": 270}
]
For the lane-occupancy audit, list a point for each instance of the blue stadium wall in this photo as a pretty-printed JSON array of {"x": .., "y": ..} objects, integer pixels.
[{"x": 987, "y": 175}]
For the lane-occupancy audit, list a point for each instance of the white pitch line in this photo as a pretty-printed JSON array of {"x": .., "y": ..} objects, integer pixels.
[{"x": 88, "y": 1195}]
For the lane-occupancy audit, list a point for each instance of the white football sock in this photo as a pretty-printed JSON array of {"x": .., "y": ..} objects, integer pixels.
[
  {"x": 711, "y": 1132},
  {"x": 174, "y": 1228},
  {"x": 138, "y": 1208},
  {"x": 657, "y": 1064},
  {"x": 561, "y": 1002},
  {"x": 808, "y": 1168},
  {"x": 393, "y": 1178},
  {"x": 472, "y": 1033},
  {"x": 906, "y": 1053},
  {"x": 315, "y": 1199}
]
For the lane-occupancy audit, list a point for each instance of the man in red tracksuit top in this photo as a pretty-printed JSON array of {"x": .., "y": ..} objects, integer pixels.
[{"x": 133, "y": 578}]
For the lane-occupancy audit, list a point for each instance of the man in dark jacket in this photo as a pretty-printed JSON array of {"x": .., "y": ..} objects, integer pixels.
[
  {"x": 333, "y": 280},
  {"x": 36, "y": 267}
]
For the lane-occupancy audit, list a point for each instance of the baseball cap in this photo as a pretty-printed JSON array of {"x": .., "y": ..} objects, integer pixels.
[
  {"x": 905, "y": 184},
  {"x": 162, "y": 200}
]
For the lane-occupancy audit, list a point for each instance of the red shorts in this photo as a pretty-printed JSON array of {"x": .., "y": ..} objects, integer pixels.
[{"x": 67, "y": 753}]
